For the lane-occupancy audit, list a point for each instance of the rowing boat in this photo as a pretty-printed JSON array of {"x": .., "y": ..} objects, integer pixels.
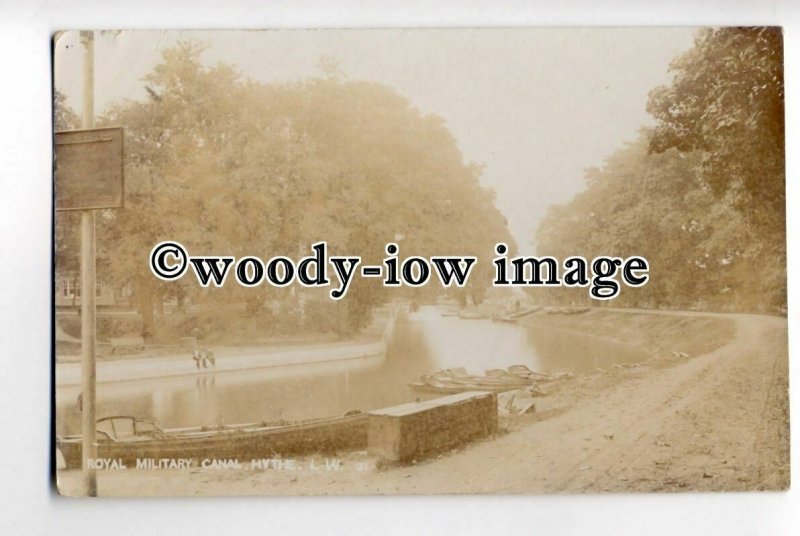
[
  {"x": 448, "y": 388},
  {"x": 525, "y": 373},
  {"x": 128, "y": 439}
]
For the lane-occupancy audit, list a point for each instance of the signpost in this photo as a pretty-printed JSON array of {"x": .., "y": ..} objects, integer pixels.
[
  {"x": 89, "y": 169},
  {"x": 88, "y": 176}
]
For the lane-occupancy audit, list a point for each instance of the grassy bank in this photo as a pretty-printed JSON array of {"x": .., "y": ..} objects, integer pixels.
[{"x": 657, "y": 334}]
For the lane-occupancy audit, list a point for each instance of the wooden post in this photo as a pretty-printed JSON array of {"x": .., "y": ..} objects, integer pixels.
[{"x": 88, "y": 290}]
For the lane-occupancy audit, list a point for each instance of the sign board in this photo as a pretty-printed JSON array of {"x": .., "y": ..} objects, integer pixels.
[{"x": 88, "y": 169}]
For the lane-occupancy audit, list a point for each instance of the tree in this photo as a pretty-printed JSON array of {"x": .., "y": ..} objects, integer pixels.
[
  {"x": 64, "y": 117},
  {"x": 701, "y": 251},
  {"x": 66, "y": 248},
  {"x": 701, "y": 195},
  {"x": 727, "y": 102},
  {"x": 228, "y": 165}
]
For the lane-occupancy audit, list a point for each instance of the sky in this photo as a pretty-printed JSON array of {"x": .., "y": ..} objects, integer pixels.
[{"x": 534, "y": 106}]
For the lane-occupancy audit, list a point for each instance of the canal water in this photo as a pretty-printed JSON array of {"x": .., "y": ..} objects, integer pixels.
[{"x": 422, "y": 342}]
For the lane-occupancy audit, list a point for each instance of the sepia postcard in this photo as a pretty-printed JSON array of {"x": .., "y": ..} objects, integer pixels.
[{"x": 419, "y": 261}]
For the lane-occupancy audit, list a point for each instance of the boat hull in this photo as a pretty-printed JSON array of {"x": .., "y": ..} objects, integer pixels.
[{"x": 243, "y": 445}]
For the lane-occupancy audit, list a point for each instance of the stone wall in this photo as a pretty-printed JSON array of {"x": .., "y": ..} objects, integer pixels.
[{"x": 413, "y": 431}]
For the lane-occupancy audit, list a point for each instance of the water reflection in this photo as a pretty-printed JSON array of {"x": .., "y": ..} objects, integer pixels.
[{"x": 423, "y": 341}]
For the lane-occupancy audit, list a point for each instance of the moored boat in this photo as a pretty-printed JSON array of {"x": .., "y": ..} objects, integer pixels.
[
  {"x": 524, "y": 372},
  {"x": 443, "y": 387},
  {"x": 129, "y": 439},
  {"x": 466, "y": 314},
  {"x": 457, "y": 380}
]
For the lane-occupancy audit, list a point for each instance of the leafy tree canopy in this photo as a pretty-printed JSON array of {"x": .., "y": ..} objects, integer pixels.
[
  {"x": 228, "y": 165},
  {"x": 701, "y": 195},
  {"x": 727, "y": 102}
]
